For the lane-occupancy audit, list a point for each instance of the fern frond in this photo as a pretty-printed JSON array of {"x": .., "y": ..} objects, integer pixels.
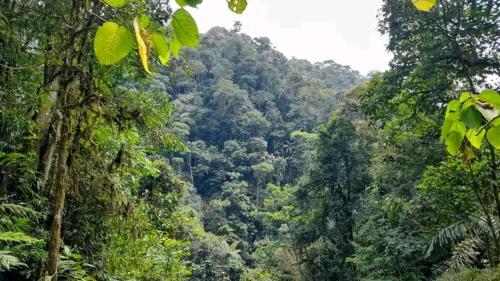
[
  {"x": 17, "y": 237},
  {"x": 465, "y": 253},
  {"x": 7, "y": 260},
  {"x": 17, "y": 210},
  {"x": 447, "y": 236}
]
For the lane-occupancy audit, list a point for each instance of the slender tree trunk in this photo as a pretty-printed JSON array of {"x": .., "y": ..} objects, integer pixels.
[{"x": 59, "y": 196}]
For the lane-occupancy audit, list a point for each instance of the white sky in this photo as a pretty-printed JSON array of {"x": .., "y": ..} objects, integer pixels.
[{"x": 342, "y": 30}]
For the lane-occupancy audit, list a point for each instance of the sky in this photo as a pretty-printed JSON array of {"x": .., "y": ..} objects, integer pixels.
[{"x": 341, "y": 30}]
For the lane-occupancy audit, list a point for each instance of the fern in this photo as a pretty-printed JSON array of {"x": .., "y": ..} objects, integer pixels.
[
  {"x": 7, "y": 260},
  {"x": 17, "y": 210},
  {"x": 17, "y": 237}
]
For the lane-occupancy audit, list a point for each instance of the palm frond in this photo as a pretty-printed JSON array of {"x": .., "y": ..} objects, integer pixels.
[
  {"x": 465, "y": 253},
  {"x": 447, "y": 236}
]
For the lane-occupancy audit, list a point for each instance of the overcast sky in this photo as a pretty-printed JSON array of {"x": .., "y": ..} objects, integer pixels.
[{"x": 342, "y": 30}]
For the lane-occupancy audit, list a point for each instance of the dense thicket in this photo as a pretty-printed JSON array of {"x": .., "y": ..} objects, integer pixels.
[{"x": 236, "y": 163}]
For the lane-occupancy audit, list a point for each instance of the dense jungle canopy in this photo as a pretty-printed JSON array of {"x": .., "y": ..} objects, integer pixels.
[{"x": 132, "y": 147}]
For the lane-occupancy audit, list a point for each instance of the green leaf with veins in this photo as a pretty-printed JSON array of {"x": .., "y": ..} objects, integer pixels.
[
  {"x": 112, "y": 43},
  {"x": 185, "y": 28},
  {"x": 471, "y": 117}
]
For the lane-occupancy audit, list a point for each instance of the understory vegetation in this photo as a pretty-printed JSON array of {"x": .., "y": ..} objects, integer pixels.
[{"x": 125, "y": 157}]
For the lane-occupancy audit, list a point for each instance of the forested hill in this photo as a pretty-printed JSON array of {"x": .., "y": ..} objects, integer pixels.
[
  {"x": 249, "y": 116},
  {"x": 242, "y": 100}
]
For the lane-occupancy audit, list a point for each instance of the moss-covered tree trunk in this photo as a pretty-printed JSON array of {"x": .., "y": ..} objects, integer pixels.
[{"x": 69, "y": 84}]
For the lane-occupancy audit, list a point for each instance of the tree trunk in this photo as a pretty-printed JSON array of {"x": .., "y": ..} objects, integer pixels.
[{"x": 59, "y": 196}]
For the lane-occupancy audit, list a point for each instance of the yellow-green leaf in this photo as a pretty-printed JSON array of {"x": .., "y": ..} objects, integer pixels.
[
  {"x": 491, "y": 97},
  {"x": 475, "y": 137},
  {"x": 237, "y": 6},
  {"x": 471, "y": 117},
  {"x": 161, "y": 47},
  {"x": 141, "y": 45},
  {"x": 192, "y": 3},
  {"x": 424, "y": 5},
  {"x": 185, "y": 28},
  {"x": 116, "y": 3},
  {"x": 452, "y": 109},
  {"x": 465, "y": 96},
  {"x": 453, "y": 142},
  {"x": 174, "y": 45},
  {"x": 493, "y": 136},
  {"x": 454, "y": 137},
  {"x": 112, "y": 43},
  {"x": 144, "y": 21}
]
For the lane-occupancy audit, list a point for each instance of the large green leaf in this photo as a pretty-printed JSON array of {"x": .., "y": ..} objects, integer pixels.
[
  {"x": 464, "y": 96},
  {"x": 185, "y": 28},
  {"x": 112, "y": 43},
  {"x": 493, "y": 136},
  {"x": 446, "y": 127},
  {"x": 237, "y": 6},
  {"x": 452, "y": 109},
  {"x": 174, "y": 45},
  {"x": 490, "y": 97},
  {"x": 161, "y": 47},
  {"x": 454, "y": 137},
  {"x": 453, "y": 142},
  {"x": 471, "y": 117},
  {"x": 192, "y": 3},
  {"x": 116, "y": 3},
  {"x": 475, "y": 137},
  {"x": 424, "y": 5}
]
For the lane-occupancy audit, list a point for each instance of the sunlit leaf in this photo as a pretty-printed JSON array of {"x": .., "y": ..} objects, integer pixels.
[
  {"x": 144, "y": 21},
  {"x": 493, "y": 136},
  {"x": 490, "y": 97},
  {"x": 471, "y": 117},
  {"x": 116, "y": 3},
  {"x": 112, "y": 43},
  {"x": 446, "y": 127},
  {"x": 237, "y": 6},
  {"x": 424, "y": 5},
  {"x": 475, "y": 137},
  {"x": 454, "y": 137},
  {"x": 452, "y": 109},
  {"x": 142, "y": 46},
  {"x": 453, "y": 142},
  {"x": 465, "y": 96},
  {"x": 185, "y": 28},
  {"x": 192, "y": 3},
  {"x": 174, "y": 45},
  {"x": 161, "y": 47}
]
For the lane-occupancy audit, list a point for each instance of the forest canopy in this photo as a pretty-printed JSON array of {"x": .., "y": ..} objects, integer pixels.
[{"x": 132, "y": 147}]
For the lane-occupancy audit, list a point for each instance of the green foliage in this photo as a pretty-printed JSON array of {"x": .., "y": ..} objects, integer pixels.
[
  {"x": 237, "y": 6},
  {"x": 112, "y": 43},
  {"x": 464, "y": 118},
  {"x": 7, "y": 261},
  {"x": 185, "y": 28},
  {"x": 116, "y": 3},
  {"x": 471, "y": 274}
]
